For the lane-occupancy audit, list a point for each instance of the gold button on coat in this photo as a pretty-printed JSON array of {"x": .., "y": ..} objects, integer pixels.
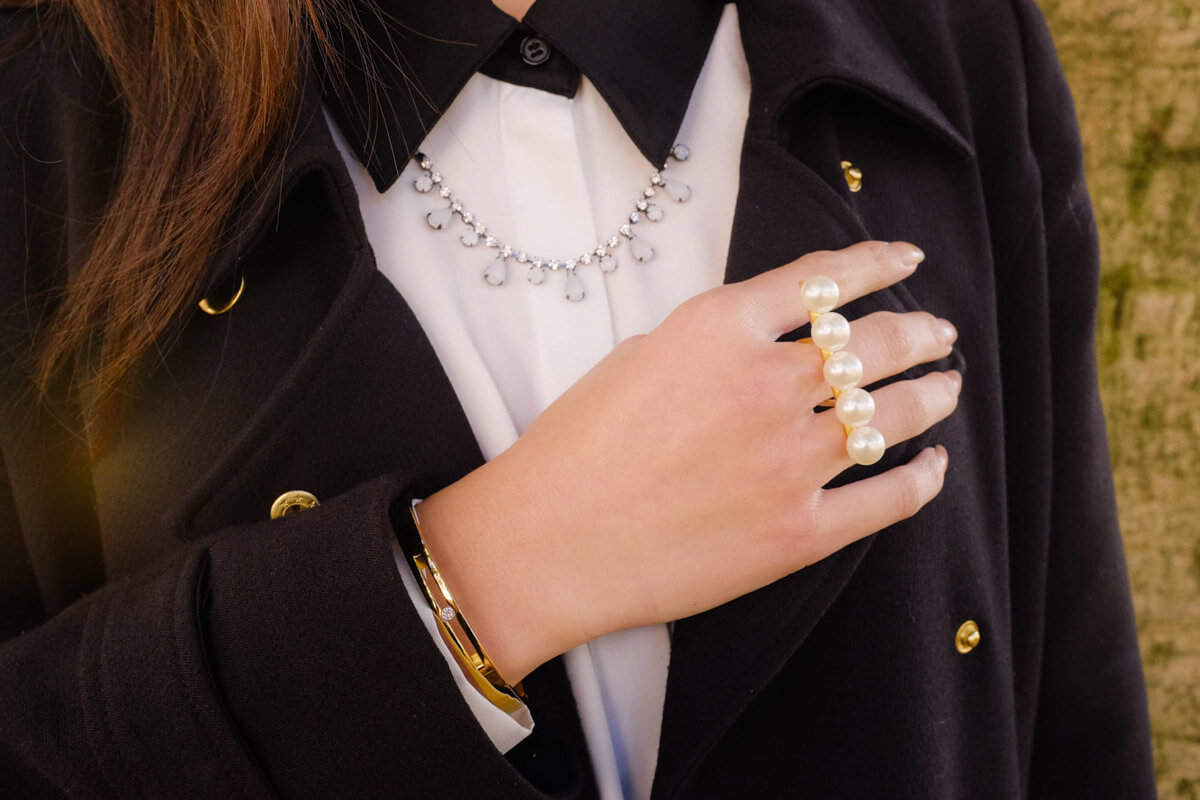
[
  {"x": 853, "y": 176},
  {"x": 290, "y": 502},
  {"x": 968, "y": 636}
]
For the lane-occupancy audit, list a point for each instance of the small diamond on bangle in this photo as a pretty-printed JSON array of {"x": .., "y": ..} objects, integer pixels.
[{"x": 447, "y": 614}]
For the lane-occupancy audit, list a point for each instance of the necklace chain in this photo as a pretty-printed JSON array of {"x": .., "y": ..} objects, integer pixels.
[{"x": 603, "y": 254}]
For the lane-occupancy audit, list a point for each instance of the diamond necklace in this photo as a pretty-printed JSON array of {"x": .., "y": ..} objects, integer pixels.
[{"x": 496, "y": 272}]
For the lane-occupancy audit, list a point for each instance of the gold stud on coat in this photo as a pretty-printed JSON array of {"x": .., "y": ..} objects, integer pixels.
[{"x": 853, "y": 176}]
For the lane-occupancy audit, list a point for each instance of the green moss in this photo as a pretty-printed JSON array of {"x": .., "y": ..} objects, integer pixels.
[
  {"x": 1149, "y": 153},
  {"x": 1196, "y": 562},
  {"x": 1161, "y": 652},
  {"x": 1116, "y": 285}
]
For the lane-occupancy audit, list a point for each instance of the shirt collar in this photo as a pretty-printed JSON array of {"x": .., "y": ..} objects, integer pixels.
[{"x": 421, "y": 54}]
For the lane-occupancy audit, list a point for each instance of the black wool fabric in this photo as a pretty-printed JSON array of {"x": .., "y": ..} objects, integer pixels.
[{"x": 163, "y": 638}]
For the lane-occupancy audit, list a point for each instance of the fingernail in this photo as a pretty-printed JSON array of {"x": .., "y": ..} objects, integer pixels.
[
  {"x": 946, "y": 333},
  {"x": 942, "y": 456},
  {"x": 909, "y": 254},
  {"x": 955, "y": 380}
]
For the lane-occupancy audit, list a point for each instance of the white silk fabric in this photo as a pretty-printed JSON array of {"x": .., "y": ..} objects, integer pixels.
[{"x": 554, "y": 176}]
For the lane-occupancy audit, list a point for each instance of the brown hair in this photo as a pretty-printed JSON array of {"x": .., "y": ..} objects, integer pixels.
[{"x": 207, "y": 88}]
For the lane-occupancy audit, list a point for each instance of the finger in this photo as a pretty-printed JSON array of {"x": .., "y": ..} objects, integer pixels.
[
  {"x": 903, "y": 410},
  {"x": 885, "y": 343},
  {"x": 859, "y": 269},
  {"x": 850, "y": 512},
  {"x": 888, "y": 343}
]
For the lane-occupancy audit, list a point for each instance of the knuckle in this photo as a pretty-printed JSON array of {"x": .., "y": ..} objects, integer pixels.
[
  {"x": 950, "y": 391},
  {"x": 910, "y": 492},
  {"x": 823, "y": 262},
  {"x": 765, "y": 388},
  {"x": 884, "y": 255},
  {"x": 899, "y": 342},
  {"x": 709, "y": 312},
  {"x": 915, "y": 406}
]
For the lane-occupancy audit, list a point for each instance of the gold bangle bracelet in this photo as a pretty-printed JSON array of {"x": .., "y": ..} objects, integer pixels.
[{"x": 458, "y": 634}]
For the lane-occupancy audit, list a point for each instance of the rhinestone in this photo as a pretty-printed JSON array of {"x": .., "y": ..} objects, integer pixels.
[
  {"x": 601, "y": 250},
  {"x": 681, "y": 152},
  {"x": 468, "y": 217},
  {"x": 626, "y": 231},
  {"x": 496, "y": 271},
  {"x": 436, "y": 177},
  {"x": 505, "y": 251},
  {"x": 440, "y": 218},
  {"x": 642, "y": 250},
  {"x": 423, "y": 184},
  {"x": 553, "y": 264},
  {"x": 642, "y": 205},
  {"x": 480, "y": 229},
  {"x": 654, "y": 212},
  {"x": 470, "y": 238},
  {"x": 522, "y": 257},
  {"x": 656, "y": 179},
  {"x": 444, "y": 191},
  {"x": 537, "y": 262},
  {"x": 425, "y": 162},
  {"x": 648, "y": 191},
  {"x": 608, "y": 263},
  {"x": 613, "y": 241},
  {"x": 491, "y": 241},
  {"x": 537, "y": 275},
  {"x": 680, "y": 192},
  {"x": 586, "y": 258},
  {"x": 635, "y": 217},
  {"x": 569, "y": 264},
  {"x": 456, "y": 206},
  {"x": 447, "y": 614},
  {"x": 575, "y": 291}
]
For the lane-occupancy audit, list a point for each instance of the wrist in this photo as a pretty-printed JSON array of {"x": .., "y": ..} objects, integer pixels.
[{"x": 479, "y": 539}]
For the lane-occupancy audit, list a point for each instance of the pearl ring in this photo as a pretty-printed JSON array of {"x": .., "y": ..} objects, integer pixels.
[{"x": 854, "y": 406}]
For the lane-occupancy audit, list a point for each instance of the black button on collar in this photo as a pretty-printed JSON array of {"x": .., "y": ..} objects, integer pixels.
[{"x": 535, "y": 51}]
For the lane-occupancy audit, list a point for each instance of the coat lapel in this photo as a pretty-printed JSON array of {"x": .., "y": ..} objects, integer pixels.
[{"x": 791, "y": 200}]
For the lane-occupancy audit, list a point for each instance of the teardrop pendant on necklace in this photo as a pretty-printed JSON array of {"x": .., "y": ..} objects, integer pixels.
[
  {"x": 641, "y": 249},
  {"x": 608, "y": 263},
  {"x": 439, "y": 218},
  {"x": 679, "y": 192},
  {"x": 496, "y": 272},
  {"x": 574, "y": 290}
]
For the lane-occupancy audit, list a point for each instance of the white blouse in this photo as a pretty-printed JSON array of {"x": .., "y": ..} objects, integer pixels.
[{"x": 556, "y": 176}]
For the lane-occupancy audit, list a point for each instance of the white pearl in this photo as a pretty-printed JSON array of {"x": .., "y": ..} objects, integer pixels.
[
  {"x": 820, "y": 293},
  {"x": 831, "y": 332},
  {"x": 855, "y": 407},
  {"x": 865, "y": 445},
  {"x": 843, "y": 370}
]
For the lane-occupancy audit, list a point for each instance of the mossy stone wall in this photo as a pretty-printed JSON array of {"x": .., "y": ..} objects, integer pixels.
[{"x": 1134, "y": 66}]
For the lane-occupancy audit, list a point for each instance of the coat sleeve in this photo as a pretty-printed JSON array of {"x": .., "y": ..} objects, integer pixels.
[
  {"x": 282, "y": 657},
  {"x": 1091, "y": 735}
]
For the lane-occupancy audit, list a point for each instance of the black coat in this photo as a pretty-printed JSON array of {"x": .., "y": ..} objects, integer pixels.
[{"x": 231, "y": 655}]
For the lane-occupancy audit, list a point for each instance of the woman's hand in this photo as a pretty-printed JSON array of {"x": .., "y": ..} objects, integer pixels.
[{"x": 686, "y": 468}]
